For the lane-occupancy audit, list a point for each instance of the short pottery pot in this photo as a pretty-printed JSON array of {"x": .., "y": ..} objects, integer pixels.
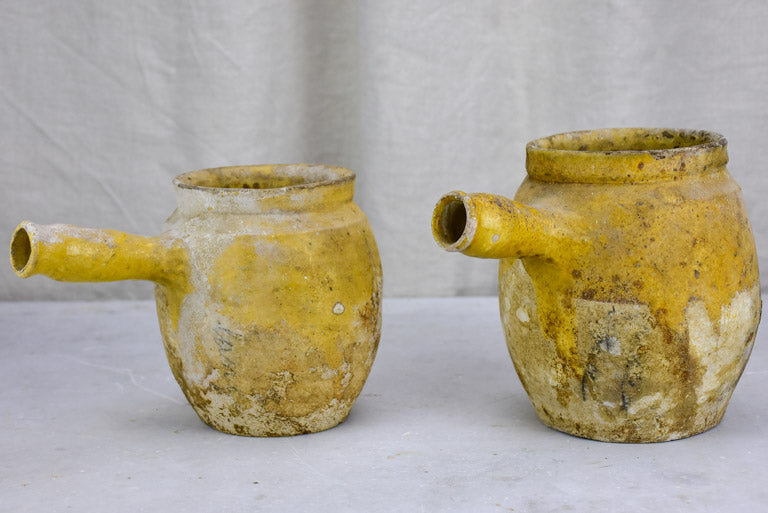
[
  {"x": 628, "y": 279},
  {"x": 268, "y": 291}
]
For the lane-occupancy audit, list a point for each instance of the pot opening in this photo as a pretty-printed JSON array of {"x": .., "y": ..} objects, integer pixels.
[
  {"x": 451, "y": 220},
  {"x": 21, "y": 250},
  {"x": 263, "y": 177},
  {"x": 626, "y": 140},
  {"x": 625, "y": 155}
]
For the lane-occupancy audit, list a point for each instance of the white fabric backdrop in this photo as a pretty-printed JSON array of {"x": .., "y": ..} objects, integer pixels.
[{"x": 103, "y": 102}]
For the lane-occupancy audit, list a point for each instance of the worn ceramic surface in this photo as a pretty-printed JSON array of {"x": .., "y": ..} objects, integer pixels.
[
  {"x": 628, "y": 280},
  {"x": 268, "y": 291}
]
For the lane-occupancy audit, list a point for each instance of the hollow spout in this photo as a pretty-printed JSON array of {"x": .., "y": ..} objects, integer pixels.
[
  {"x": 71, "y": 253},
  {"x": 490, "y": 226}
]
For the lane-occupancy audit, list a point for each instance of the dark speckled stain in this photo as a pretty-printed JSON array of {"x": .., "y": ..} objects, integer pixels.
[
  {"x": 504, "y": 204},
  {"x": 590, "y": 375}
]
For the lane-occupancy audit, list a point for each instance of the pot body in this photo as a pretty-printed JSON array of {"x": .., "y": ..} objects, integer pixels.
[
  {"x": 276, "y": 326},
  {"x": 636, "y": 324}
]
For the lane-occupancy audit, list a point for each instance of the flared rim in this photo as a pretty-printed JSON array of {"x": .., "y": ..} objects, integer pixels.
[
  {"x": 263, "y": 188},
  {"x": 264, "y": 179},
  {"x": 625, "y": 155}
]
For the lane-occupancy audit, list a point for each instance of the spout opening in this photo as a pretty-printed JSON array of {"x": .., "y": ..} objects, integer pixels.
[
  {"x": 22, "y": 252},
  {"x": 452, "y": 224},
  {"x": 453, "y": 221}
]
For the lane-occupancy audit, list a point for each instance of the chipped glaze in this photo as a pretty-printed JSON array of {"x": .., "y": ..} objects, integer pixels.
[
  {"x": 268, "y": 291},
  {"x": 628, "y": 280}
]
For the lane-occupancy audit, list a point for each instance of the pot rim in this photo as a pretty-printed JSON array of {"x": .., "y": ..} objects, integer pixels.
[
  {"x": 625, "y": 155},
  {"x": 324, "y": 175},
  {"x": 263, "y": 188}
]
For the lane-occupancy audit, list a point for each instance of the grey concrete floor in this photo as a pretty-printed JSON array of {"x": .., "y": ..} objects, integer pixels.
[{"x": 92, "y": 420}]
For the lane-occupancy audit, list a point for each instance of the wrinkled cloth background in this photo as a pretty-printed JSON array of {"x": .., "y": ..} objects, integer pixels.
[{"x": 103, "y": 102}]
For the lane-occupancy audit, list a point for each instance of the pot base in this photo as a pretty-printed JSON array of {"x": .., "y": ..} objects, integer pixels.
[
  {"x": 258, "y": 422},
  {"x": 626, "y": 432},
  {"x": 632, "y": 381}
]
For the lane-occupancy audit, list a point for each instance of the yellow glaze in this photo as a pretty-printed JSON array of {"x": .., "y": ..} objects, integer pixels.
[
  {"x": 268, "y": 289},
  {"x": 628, "y": 279}
]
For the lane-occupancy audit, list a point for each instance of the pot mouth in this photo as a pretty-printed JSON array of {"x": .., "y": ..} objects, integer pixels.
[
  {"x": 264, "y": 179},
  {"x": 625, "y": 155},
  {"x": 263, "y": 188}
]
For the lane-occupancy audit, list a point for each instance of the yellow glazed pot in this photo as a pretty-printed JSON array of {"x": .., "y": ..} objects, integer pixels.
[
  {"x": 268, "y": 291},
  {"x": 628, "y": 280}
]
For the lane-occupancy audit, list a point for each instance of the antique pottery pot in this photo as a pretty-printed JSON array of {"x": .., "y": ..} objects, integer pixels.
[
  {"x": 628, "y": 279},
  {"x": 268, "y": 291}
]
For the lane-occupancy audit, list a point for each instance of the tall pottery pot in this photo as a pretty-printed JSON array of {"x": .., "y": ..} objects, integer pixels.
[
  {"x": 268, "y": 291},
  {"x": 628, "y": 279}
]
